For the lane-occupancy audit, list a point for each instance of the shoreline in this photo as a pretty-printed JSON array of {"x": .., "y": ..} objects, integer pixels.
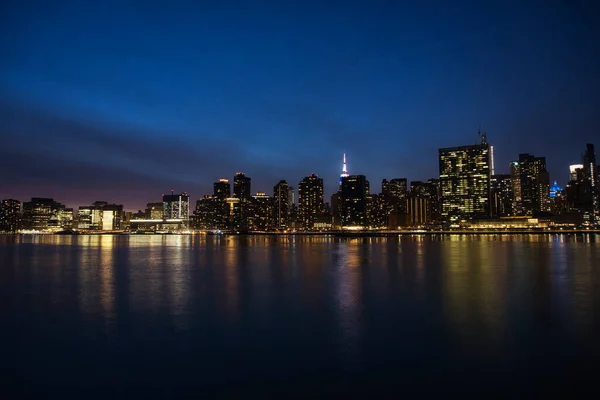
[{"x": 333, "y": 233}]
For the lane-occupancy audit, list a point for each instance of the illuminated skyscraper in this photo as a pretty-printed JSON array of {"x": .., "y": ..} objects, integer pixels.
[
  {"x": 176, "y": 206},
  {"x": 353, "y": 200},
  {"x": 589, "y": 164},
  {"x": 10, "y": 215},
  {"x": 211, "y": 213},
  {"x": 502, "y": 197},
  {"x": 591, "y": 182},
  {"x": 222, "y": 189},
  {"x": 283, "y": 199},
  {"x": 394, "y": 188},
  {"x": 344, "y": 170},
  {"x": 575, "y": 172},
  {"x": 261, "y": 215},
  {"x": 310, "y": 201},
  {"x": 242, "y": 186},
  {"x": 465, "y": 181},
  {"x": 534, "y": 185},
  {"x": 554, "y": 190}
]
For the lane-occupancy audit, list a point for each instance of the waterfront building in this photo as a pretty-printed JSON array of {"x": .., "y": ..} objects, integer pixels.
[
  {"x": 176, "y": 206},
  {"x": 465, "y": 181},
  {"x": 38, "y": 212},
  {"x": 155, "y": 210},
  {"x": 377, "y": 211},
  {"x": 394, "y": 188},
  {"x": 417, "y": 209},
  {"x": 10, "y": 215},
  {"x": 210, "y": 214},
  {"x": 502, "y": 197},
  {"x": 261, "y": 212},
  {"x": 310, "y": 201},
  {"x": 283, "y": 201},
  {"x": 100, "y": 216},
  {"x": 242, "y": 185},
  {"x": 353, "y": 201},
  {"x": 534, "y": 185},
  {"x": 430, "y": 190},
  {"x": 222, "y": 189}
]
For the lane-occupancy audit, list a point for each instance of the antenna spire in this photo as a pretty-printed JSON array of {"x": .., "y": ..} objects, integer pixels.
[{"x": 344, "y": 168}]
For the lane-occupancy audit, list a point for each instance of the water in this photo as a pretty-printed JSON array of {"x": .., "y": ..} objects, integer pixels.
[{"x": 170, "y": 316}]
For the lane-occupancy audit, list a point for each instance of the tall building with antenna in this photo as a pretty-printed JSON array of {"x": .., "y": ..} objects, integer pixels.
[{"x": 344, "y": 173}]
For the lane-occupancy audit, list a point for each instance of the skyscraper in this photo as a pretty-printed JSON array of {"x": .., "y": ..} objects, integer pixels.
[
  {"x": 590, "y": 175},
  {"x": 176, "y": 206},
  {"x": 353, "y": 200},
  {"x": 589, "y": 164},
  {"x": 211, "y": 213},
  {"x": 465, "y": 181},
  {"x": 283, "y": 198},
  {"x": 394, "y": 188},
  {"x": 575, "y": 172},
  {"x": 10, "y": 215},
  {"x": 261, "y": 216},
  {"x": 222, "y": 189},
  {"x": 430, "y": 190},
  {"x": 344, "y": 170},
  {"x": 310, "y": 201},
  {"x": 241, "y": 186},
  {"x": 502, "y": 197},
  {"x": 534, "y": 183}
]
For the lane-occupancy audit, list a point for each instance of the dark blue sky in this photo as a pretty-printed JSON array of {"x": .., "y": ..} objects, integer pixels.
[{"x": 123, "y": 101}]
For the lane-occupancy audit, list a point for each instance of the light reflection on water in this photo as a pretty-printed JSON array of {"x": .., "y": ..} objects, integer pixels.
[{"x": 307, "y": 303}]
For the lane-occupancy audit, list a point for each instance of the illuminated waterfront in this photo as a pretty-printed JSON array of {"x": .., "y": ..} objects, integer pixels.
[{"x": 149, "y": 315}]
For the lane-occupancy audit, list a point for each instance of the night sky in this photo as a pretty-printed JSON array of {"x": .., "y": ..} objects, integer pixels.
[{"x": 106, "y": 101}]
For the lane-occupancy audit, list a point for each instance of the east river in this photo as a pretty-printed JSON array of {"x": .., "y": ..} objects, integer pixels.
[{"x": 151, "y": 316}]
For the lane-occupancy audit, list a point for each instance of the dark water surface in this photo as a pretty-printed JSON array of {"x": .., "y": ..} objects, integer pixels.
[{"x": 170, "y": 316}]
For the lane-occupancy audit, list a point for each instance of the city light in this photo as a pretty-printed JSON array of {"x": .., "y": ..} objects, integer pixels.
[{"x": 466, "y": 196}]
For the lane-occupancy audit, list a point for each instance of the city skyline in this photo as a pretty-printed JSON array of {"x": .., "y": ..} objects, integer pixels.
[
  {"x": 375, "y": 186},
  {"x": 96, "y": 101},
  {"x": 467, "y": 191}
]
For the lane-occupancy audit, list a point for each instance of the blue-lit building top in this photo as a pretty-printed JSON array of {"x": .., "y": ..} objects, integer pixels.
[{"x": 554, "y": 189}]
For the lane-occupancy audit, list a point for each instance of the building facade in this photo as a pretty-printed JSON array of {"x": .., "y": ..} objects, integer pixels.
[
  {"x": 222, "y": 189},
  {"x": 242, "y": 186},
  {"x": 262, "y": 213},
  {"x": 211, "y": 213},
  {"x": 100, "y": 216},
  {"x": 310, "y": 201},
  {"x": 38, "y": 212},
  {"x": 465, "y": 181},
  {"x": 10, "y": 215},
  {"x": 534, "y": 185},
  {"x": 283, "y": 201},
  {"x": 353, "y": 201},
  {"x": 176, "y": 206},
  {"x": 155, "y": 210},
  {"x": 502, "y": 197}
]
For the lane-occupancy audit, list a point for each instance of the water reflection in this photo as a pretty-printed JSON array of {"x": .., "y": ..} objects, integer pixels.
[
  {"x": 340, "y": 303},
  {"x": 348, "y": 260}
]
